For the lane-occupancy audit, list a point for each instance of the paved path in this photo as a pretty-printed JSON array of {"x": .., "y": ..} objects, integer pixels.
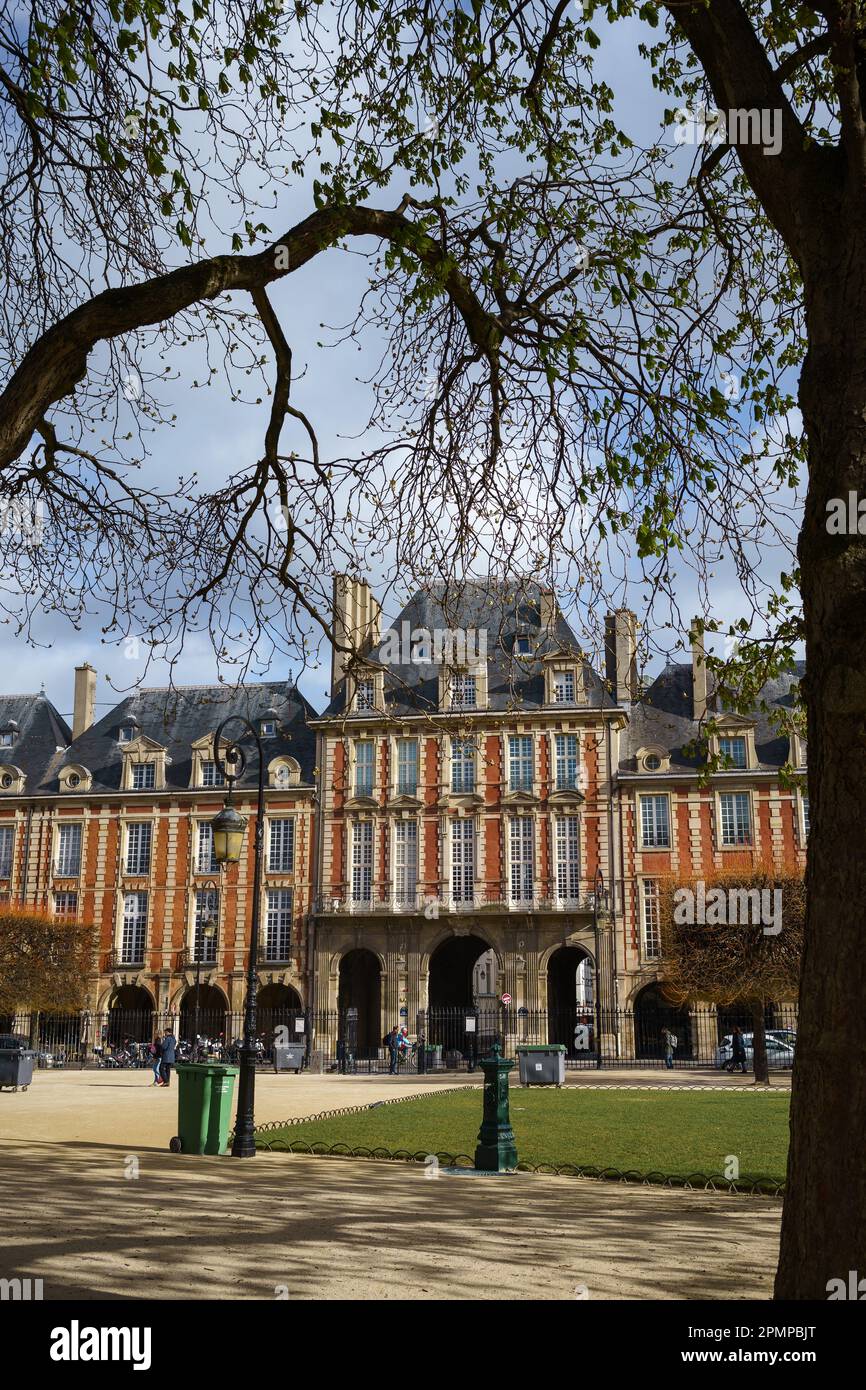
[
  {"x": 124, "y": 1106},
  {"x": 94, "y": 1205}
]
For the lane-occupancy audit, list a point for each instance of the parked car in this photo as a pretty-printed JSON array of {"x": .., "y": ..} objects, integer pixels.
[{"x": 780, "y": 1054}]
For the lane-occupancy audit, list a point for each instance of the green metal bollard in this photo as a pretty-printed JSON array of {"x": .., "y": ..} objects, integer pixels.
[{"x": 496, "y": 1151}]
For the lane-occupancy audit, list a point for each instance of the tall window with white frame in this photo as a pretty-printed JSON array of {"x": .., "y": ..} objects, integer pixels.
[
  {"x": 463, "y": 861},
  {"x": 143, "y": 776},
  {"x": 405, "y": 862},
  {"x": 522, "y": 859},
  {"x": 520, "y": 768},
  {"x": 139, "y": 837},
  {"x": 281, "y": 845},
  {"x": 463, "y": 765},
  {"x": 735, "y": 810},
  {"x": 568, "y": 859},
  {"x": 651, "y": 919},
  {"x": 68, "y": 863},
  {"x": 362, "y": 861},
  {"x": 407, "y": 766},
  {"x": 66, "y": 904},
  {"x": 207, "y": 907},
  {"x": 364, "y": 755},
  {"x": 566, "y": 762},
  {"x": 134, "y": 928},
  {"x": 804, "y": 800},
  {"x": 7, "y": 848},
  {"x": 278, "y": 925},
  {"x": 205, "y": 860},
  {"x": 655, "y": 828}
]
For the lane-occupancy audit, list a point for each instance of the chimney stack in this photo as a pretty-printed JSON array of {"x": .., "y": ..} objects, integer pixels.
[
  {"x": 84, "y": 703},
  {"x": 620, "y": 643},
  {"x": 699, "y": 672},
  {"x": 355, "y": 615},
  {"x": 548, "y": 609}
]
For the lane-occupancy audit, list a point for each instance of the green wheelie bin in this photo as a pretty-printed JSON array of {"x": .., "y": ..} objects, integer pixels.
[{"x": 204, "y": 1105}]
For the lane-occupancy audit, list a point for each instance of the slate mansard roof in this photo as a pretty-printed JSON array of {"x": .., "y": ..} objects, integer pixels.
[
  {"x": 492, "y": 609},
  {"x": 41, "y": 736},
  {"x": 664, "y": 718},
  {"x": 174, "y": 718}
]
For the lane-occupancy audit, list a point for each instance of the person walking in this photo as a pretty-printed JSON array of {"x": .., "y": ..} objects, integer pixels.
[
  {"x": 169, "y": 1048},
  {"x": 669, "y": 1043},
  {"x": 738, "y": 1050},
  {"x": 394, "y": 1049},
  {"x": 154, "y": 1052}
]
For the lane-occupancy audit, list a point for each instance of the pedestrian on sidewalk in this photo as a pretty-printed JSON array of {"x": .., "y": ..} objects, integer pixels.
[
  {"x": 154, "y": 1052},
  {"x": 169, "y": 1047},
  {"x": 738, "y": 1049},
  {"x": 669, "y": 1042},
  {"x": 392, "y": 1042}
]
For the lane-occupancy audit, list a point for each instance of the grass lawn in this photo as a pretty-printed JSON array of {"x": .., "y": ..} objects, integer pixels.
[{"x": 676, "y": 1133}]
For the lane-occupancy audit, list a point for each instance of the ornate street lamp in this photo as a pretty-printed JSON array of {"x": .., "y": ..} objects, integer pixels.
[
  {"x": 599, "y": 903},
  {"x": 228, "y": 838},
  {"x": 208, "y": 932}
]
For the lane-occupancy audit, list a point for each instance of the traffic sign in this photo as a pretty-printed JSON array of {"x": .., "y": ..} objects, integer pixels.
[{"x": 506, "y": 998}]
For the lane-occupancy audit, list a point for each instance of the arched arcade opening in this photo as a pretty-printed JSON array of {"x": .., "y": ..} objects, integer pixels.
[
  {"x": 571, "y": 1001},
  {"x": 212, "y": 1014},
  {"x": 130, "y": 1016},
  {"x": 464, "y": 1013},
  {"x": 359, "y": 1001},
  {"x": 653, "y": 1011}
]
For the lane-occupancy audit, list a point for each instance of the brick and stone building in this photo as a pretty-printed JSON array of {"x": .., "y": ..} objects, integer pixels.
[
  {"x": 478, "y": 813},
  {"x": 110, "y": 821}
]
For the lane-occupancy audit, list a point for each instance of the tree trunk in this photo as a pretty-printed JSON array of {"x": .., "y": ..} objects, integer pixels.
[
  {"x": 824, "y": 1218},
  {"x": 759, "y": 1043}
]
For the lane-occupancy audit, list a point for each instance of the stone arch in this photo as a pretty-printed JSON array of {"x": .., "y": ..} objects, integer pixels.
[
  {"x": 450, "y": 964},
  {"x": 359, "y": 1001},
  {"x": 570, "y": 984},
  {"x": 129, "y": 1013},
  {"x": 214, "y": 1018}
]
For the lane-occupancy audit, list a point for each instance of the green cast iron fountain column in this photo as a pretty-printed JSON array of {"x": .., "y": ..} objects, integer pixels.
[{"x": 496, "y": 1151}]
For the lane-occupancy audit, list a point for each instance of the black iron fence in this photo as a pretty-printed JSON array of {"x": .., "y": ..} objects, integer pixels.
[{"x": 441, "y": 1039}]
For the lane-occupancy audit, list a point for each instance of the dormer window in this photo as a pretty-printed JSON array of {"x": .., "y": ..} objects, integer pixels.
[
  {"x": 733, "y": 751},
  {"x": 563, "y": 687},
  {"x": 74, "y": 778},
  {"x": 652, "y": 762},
  {"x": 464, "y": 694},
  {"x": 365, "y": 693},
  {"x": 734, "y": 746},
  {"x": 268, "y": 728},
  {"x": 211, "y": 775},
  {"x": 6, "y": 781},
  {"x": 143, "y": 777},
  {"x": 126, "y": 733},
  {"x": 523, "y": 646},
  {"x": 7, "y": 738}
]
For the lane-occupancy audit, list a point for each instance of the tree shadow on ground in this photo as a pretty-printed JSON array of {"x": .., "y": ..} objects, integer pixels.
[{"x": 189, "y": 1227}]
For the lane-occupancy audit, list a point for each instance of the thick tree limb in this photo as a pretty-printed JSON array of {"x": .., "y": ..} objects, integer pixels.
[
  {"x": 58, "y": 360},
  {"x": 796, "y": 187}
]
